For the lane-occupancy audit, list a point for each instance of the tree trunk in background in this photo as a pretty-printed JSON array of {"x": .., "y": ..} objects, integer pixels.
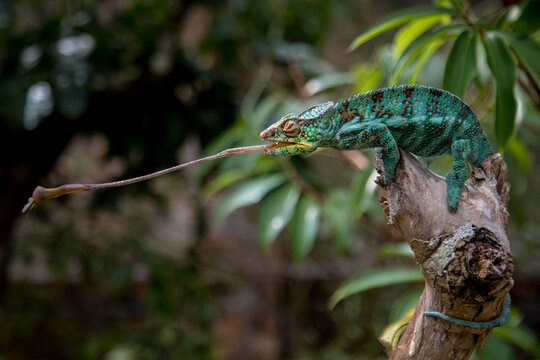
[{"x": 465, "y": 257}]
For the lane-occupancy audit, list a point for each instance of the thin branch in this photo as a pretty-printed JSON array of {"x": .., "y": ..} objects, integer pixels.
[{"x": 530, "y": 86}]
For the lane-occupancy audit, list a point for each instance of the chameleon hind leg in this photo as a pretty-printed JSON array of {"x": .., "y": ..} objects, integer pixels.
[
  {"x": 373, "y": 135},
  {"x": 461, "y": 149}
]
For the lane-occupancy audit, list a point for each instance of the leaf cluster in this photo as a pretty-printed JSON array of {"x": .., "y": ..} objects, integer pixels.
[
  {"x": 491, "y": 54},
  {"x": 503, "y": 40}
]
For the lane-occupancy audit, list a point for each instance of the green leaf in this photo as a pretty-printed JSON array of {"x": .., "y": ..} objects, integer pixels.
[
  {"x": 247, "y": 194},
  {"x": 509, "y": 16},
  {"x": 424, "y": 57},
  {"x": 503, "y": 69},
  {"x": 520, "y": 337},
  {"x": 252, "y": 98},
  {"x": 519, "y": 151},
  {"x": 496, "y": 348},
  {"x": 528, "y": 52},
  {"x": 221, "y": 181},
  {"x": 528, "y": 22},
  {"x": 392, "y": 333},
  {"x": 417, "y": 47},
  {"x": 461, "y": 64},
  {"x": 328, "y": 81},
  {"x": 441, "y": 32},
  {"x": 407, "y": 34},
  {"x": 275, "y": 213},
  {"x": 405, "y": 303},
  {"x": 397, "y": 19},
  {"x": 304, "y": 227},
  {"x": 366, "y": 77},
  {"x": 374, "y": 279},
  {"x": 336, "y": 213},
  {"x": 395, "y": 250},
  {"x": 363, "y": 188},
  {"x": 262, "y": 111}
]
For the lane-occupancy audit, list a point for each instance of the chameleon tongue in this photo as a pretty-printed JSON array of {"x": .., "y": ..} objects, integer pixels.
[{"x": 40, "y": 193}]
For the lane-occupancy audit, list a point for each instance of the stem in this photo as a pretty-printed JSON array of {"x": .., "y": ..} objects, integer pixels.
[
  {"x": 465, "y": 12},
  {"x": 40, "y": 193},
  {"x": 530, "y": 86}
]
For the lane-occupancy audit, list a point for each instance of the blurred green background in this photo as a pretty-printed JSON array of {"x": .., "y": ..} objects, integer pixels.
[{"x": 238, "y": 258}]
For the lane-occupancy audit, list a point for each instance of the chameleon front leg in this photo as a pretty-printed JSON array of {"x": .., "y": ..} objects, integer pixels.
[
  {"x": 372, "y": 135},
  {"x": 454, "y": 181}
]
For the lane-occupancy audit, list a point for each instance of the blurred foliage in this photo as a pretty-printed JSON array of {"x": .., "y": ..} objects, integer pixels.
[
  {"x": 480, "y": 42},
  {"x": 503, "y": 40},
  {"x": 153, "y": 77}
]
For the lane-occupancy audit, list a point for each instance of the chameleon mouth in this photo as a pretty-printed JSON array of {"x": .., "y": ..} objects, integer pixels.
[
  {"x": 280, "y": 144},
  {"x": 274, "y": 146},
  {"x": 284, "y": 144}
]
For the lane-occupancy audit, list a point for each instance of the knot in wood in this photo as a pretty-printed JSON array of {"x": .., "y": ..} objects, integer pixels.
[{"x": 470, "y": 260}]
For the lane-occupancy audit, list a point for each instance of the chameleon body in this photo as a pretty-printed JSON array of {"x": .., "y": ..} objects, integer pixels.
[{"x": 422, "y": 120}]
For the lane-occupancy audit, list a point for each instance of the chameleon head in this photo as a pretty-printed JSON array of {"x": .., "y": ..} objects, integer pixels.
[{"x": 296, "y": 134}]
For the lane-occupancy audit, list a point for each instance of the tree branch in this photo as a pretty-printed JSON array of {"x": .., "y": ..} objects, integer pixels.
[{"x": 464, "y": 256}]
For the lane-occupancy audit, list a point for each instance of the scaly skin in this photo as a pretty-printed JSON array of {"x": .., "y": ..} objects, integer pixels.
[{"x": 422, "y": 120}]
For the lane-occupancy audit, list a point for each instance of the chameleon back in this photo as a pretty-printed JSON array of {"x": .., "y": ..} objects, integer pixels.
[{"x": 423, "y": 120}]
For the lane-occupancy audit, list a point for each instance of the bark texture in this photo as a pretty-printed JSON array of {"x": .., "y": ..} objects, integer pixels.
[{"x": 464, "y": 256}]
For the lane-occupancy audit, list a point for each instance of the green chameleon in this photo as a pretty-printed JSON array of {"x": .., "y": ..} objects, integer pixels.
[{"x": 422, "y": 120}]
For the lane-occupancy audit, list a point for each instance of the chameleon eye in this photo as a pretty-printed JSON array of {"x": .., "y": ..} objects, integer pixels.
[{"x": 291, "y": 128}]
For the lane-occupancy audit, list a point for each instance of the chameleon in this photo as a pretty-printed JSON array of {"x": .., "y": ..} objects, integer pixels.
[{"x": 425, "y": 121}]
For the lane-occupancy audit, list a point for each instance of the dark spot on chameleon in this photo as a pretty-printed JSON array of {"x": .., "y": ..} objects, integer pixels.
[
  {"x": 463, "y": 112},
  {"x": 435, "y": 92},
  {"x": 356, "y": 133},
  {"x": 407, "y": 110},
  {"x": 377, "y": 97},
  {"x": 408, "y": 92}
]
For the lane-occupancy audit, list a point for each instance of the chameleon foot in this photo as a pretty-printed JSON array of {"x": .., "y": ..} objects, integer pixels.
[{"x": 453, "y": 191}]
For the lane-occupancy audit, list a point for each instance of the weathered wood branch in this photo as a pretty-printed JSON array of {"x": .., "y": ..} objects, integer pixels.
[{"x": 464, "y": 256}]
